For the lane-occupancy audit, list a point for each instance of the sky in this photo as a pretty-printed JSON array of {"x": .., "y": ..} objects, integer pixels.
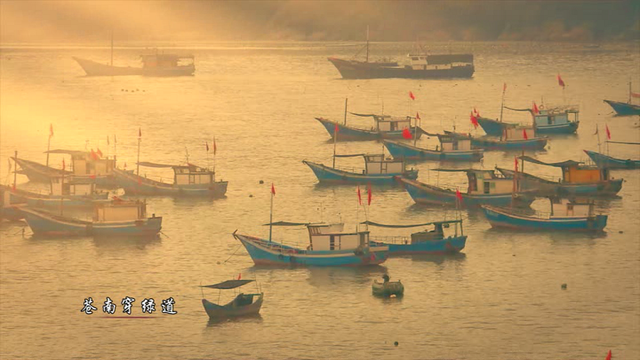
[{"x": 463, "y": 20}]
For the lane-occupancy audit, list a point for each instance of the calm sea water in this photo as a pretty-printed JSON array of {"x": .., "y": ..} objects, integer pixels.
[{"x": 501, "y": 298}]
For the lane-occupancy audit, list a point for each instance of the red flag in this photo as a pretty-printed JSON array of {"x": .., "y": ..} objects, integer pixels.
[
  {"x": 635, "y": 95},
  {"x": 99, "y": 152},
  {"x": 608, "y": 356},
  {"x": 406, "y": 134},
  {"x": 139, "y": 132},
  {"x": 411, "y": 96},
  {"x": 474, "y": 120},
  {"x": 535, "y": 108},
  {"x": 215, "y": 148},
  {"x": 504, "y": 88},
  {"x": 418, "y": 116},
  {"x": 63, "y": 166},
  {"x": 608, "y": 132},
  {"x": 273, "y": 189},
  {"x": 94, "y": 156},
  {"x": 50, "y": 130},
  {"x": 560, "y": 82},
  {"x": 524, "y": 134},
  {"x": 515, "y": 159},
  {"x": 458, "y": 194},
  {"x": 206, "y": 144},
  {"x": 239, "y": 276},
  {"x": 359, "y": 197},
  {"x": 369, "y": 194},
  {"x": 92, "y": 176}
]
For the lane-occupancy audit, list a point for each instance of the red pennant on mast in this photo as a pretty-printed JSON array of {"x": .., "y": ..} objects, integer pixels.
[
  {"x": 140, "y": 132},
  {"x": 608, "y": 132},
  {"x": 524, "y": 134},
  {"x": 458, "y": 195},
  {"x": 515, "y": 159},
  {"x": 94, "y": 156},
  {"x": 535, "y": 108},
  {"x": 63, "y": 165},
  {"x": 560, "y": 81},
  {"x": 411, "y": 95},
  {"x": 369, "y": 194},
  {"x": 99, "y": 152},
  {"x": 608, "y": 356},
  {"x": 50, "y": 130},
  {"x": 359, "y": 197},
  {"x": 418, "y": 116},
  {"x": 336, "y": 129},
  {"x": 474, "y": 120},
  {"x": 504, "y": 88},
  {"x": 273, "y": 189},
  {"x": 406, "y": 134},
  {"x": 215, "y": 148},
  {"x": 239, "y": 276}
]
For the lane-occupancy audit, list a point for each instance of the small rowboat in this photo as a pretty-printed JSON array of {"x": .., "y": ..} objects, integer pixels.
[
  {"x": 387, "y": 288},
  {"x": 241, "y": 305}
]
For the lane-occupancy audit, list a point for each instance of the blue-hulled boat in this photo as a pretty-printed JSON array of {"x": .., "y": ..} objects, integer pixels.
[
  {"x": 378, "y": 170},
  {"x": 242, "y": 305},
  {"x": 328, "y": 246},
  {"x": 71, "y": 193},
  {"x": 564, "y": 216},
  {"x": 423, "y": 242},
  {"x": 451, "y": 149},
  {"x": 577, "y": 179},
  {"x": 556, "y": 120},
  {"x": 485, "y": 187},
  {"x": 118, "y": 218},
  {"x": 512, "y": 140},
  {"x": 37, "y": 172},
  {"x": 624, "y": 109},
  {"x": 386, "y": 127},
  {"x": 188, "y": 180},
  {"x": 605, "y": 161}
]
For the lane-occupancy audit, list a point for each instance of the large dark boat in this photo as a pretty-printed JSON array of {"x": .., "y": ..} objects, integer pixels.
[{"x": 152, "y": 65}]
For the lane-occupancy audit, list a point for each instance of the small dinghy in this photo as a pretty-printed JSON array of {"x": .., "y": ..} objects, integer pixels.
[
  {"x": 242, "y": 305},
  {"x": 387, "y": 288}
]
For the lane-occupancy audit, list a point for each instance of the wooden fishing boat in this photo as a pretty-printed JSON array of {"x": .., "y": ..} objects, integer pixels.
[
  {"x": 552, "y": 121},
  {"x": 387, "y": 288},
  {"x": 624, "y": 109},
  {"x": 328, "y": 246},
  {"x": 117, "y": 218},
  {"x": 242, "y": 305},
  {"x": 609, "y": 162},
  {"x": 152, "y": 65},
  {"x": 495, "y": 190},
  {"x": 37, "y": 172},
  {"x": 71, "y": 193},
  {"x": 451, "y": 148},
  {"x": 566, "y": 215},
  {"x": 577, "y": 179},
  {"x": 512, "y": 140},
  {"x": 386, "y": 127},
  {"x": 423, "y": 242},
  {"x": 188, "y": 180},
  {"x": 377, "y": 170}
]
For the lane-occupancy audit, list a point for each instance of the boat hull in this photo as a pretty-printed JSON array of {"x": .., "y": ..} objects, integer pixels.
[
  {"x": 138, "y": 185},
  {"x": 37, "y": 172},
  {"x": 35, "y": 200},
  {"x": 433, "y": 247},
  {"x": 230, "y": 310},
  {"x": 92, "y": 68},
  {"x": 400, "y": 150},
  {"x": 551, "y": 188},
  {"x": 267, "y": 253},
  {"x": 503, "y": 218},
  {"x": 326, "y": 174},
  {"x": 624, "y": 108},
  {"x": 490, "y": 144},
  {"x": 347, "y": 133},
  {"x": 362, "y": 70},
  {"x": 433, "y": 195},
  {"x": 47, "y": 224},
  {"x": 609, "y": 162},
  {"x": 496, "y": 128}
]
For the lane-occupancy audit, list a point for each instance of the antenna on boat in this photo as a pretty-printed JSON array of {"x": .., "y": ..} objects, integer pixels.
[
  {"x": 504, "y": 89},
  {"x": 273, "y": 193},
  {"x": 186, "y": 151}
]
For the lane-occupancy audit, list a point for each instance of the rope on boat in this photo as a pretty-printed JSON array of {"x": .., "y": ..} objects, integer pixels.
[
  {"x": 168, "y": 237},
  {"x": 239, "y": 246}
]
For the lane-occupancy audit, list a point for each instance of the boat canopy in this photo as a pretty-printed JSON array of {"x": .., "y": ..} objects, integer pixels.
[
  {"x": 514, "y": 109},
  {"x": 154, "y": 165},
  {"x": 449, "y": 58},
  {"x": 622, "y": 142},
  {"x": 411, "y": 225},
  {"x": 349, "y": 155},
  {"x": 562, "y": 164},
  {"x": 287, "y": 223},
  {"x": 229, "y": 284},
  {"x": 387, "y": 118},
  {"x": 465, "y": 170},
  {"x": 69, "y": 152}
]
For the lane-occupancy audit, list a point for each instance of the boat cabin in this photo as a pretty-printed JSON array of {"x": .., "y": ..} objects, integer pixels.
[
  {"x": 192, "y": 174},
  {"x": 437, "y": 233},
  {"x": 517, "y": 132},
  {"x": 322, "y": 238},
  {"x": 377, "y": 164},
  {"x": 86, "y": 164},
  {"x": 575, "y": 172},
  {"x": 165, "y": 60},
  {"x": 488, "y": 182},
  {"x": 556, "y": 116},
  {"x": 72, "y": 186},
  {"x": 453, "y": 143},
  {"x": 389, "y": 123},
  {"x": 424, "y": 61},
  {"x": 570, "y": 208},
  {"x": 120, "y": 210}
]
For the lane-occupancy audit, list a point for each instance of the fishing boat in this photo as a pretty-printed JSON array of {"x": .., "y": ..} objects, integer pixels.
[
  {"x": 577, "y": 179},
  {"x": 495, "y": 189},
  {"x": 387, "y": 288},
  {"x": 329, "y": 245},
  {"x": 69, "y": 193},
  {"x": 452, "y": 148},
  {"x": 37, "y": 172},
  {"x": 556, "y": 120},
  {"x": 622, "y": 108},
  {"x": 116, "y": 218},
  {"x": 385, "y": 127},
  {"x": 423, "y": 242},
  {"x": 241, "y": 305},
  {"x": 377, "y": 170},
  {"x": 9, "y": 207},
  {"x": 609, "y": 162},
  {"x": 156, "y": 64},
  {"x": 565, "y": 215},
  {"x": 512, "y": 139},
  {"x": 188, "y": 180}
]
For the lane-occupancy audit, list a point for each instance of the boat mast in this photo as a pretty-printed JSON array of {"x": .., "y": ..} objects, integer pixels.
[
  {"x": 138, "y": 162},
  {"x": 111, "y": 47},
  {"x": 367, "y": 43},
  {"x": 271, "y": 213},
  {"x": 629, "y": 101},
  {"x": 15, "y": 171},
  {"x": 49, "y": 142}
]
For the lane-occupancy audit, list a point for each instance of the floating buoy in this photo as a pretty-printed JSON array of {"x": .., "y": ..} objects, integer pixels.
[
  {"x": 620, "y": 232},
  {"x": 564, "y": 286},
  {"x": 261, "y": 181},
  {"x": 395, "y": 343},
  {"x": 250, "y": 195}
]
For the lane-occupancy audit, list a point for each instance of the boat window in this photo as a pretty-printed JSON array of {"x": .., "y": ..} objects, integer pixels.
[
  {"x": 192, "y": 179},
  {"x": 550, "y": 120},
  {"x": 332, "y": 242},
  {"x": 487, "y": 186}
]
